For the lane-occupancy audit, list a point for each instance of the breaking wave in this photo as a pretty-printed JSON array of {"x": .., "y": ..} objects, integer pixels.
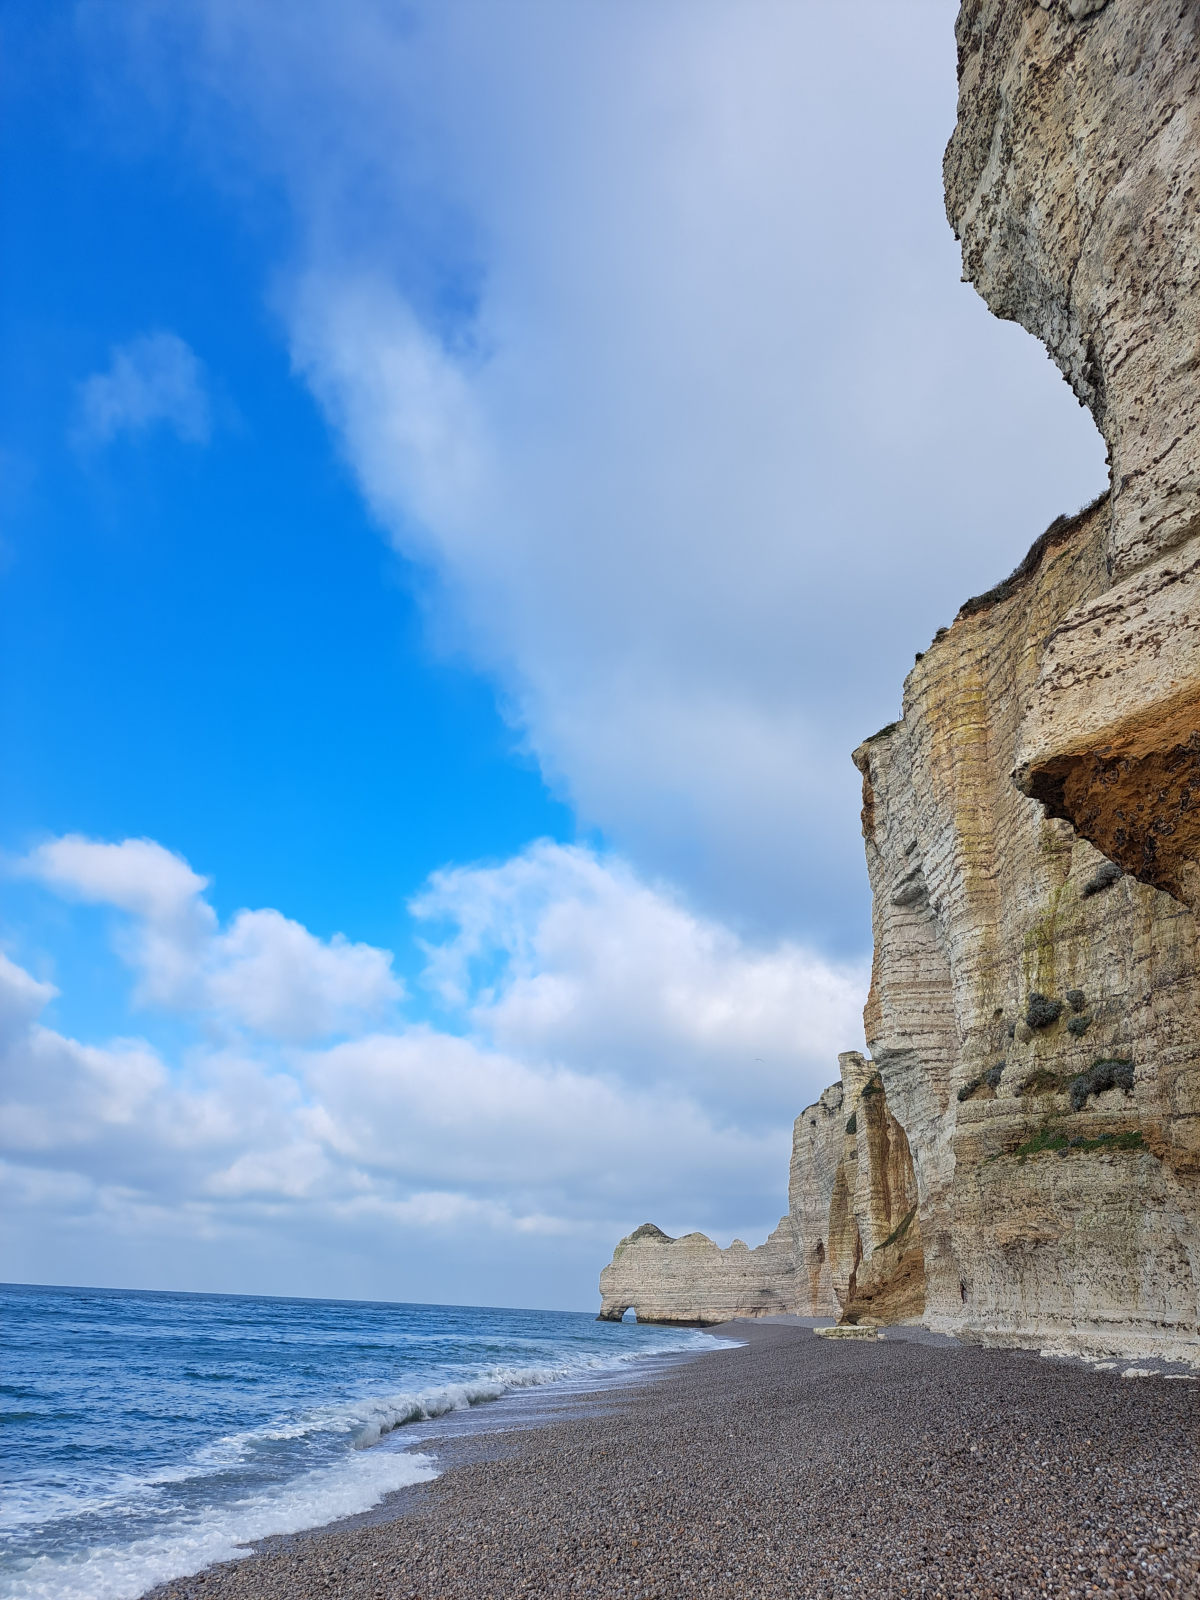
[{"x": 158, "y": 1434}]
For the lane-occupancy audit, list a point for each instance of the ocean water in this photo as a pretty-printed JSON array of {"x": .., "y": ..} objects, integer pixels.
[{"x": 146, "y": 1435}]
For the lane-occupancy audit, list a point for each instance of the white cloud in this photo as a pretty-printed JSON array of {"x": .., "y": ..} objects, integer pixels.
[
  {"x": 22, "y": 998},
  {"x": 264, "y": 972},
  {"x": 273, "y": 975},
  {"x": 404, "y": 407},
  {"x": 642, "y": 326},
  {"x": 136, "y": 875},
  {"x": 560, "y": 955},
  {"x": 155, "y": 378},
  {"x": 607, "y": 1055},
  {"x": 173, "y": 925}
]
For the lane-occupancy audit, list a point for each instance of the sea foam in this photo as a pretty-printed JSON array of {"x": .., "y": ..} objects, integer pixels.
[
  {"x": 220, "y": 1533},
  {"x": 150, "y": 1435}
]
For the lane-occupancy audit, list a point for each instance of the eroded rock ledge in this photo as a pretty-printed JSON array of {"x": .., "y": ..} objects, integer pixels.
[
  {"x": 1034, "y": 1012},
  {"x": 1072, "y": 180},
  {"x": 1019, "y": 1159}
]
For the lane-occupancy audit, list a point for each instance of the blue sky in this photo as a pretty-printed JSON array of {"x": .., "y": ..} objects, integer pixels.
[
  {"x": 471, "y": 476},
  {"x": 187, "y": 621}
]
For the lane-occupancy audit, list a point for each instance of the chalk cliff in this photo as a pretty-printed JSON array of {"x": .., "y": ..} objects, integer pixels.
[
  {"x": 1034, "y": 1014},
  {"x": 1019, "y": 1160},
  {"x": 849, "y": 1247},
  {"x": 691, "y": 1279},
  {"x": 1072, "y": 180}
]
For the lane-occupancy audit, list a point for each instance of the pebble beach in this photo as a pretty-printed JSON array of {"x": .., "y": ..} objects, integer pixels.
[{"x": 789, "y": 1466}]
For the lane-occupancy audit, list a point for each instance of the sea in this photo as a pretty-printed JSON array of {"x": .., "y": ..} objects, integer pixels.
[{"x": 146, "y": 1435}]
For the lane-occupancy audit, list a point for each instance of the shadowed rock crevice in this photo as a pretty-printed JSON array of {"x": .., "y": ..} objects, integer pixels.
[
  {"x": 1143, "y": 813},
  {"x": 877, "y": 1254}
]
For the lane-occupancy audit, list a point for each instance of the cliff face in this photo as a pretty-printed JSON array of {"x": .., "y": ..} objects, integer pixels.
[
  {"x": 1034, "y": 1015},
  {"x": 1072, "y": 180},
  {"x": 849, "y": 1248},
  {"x": 693, "y": 1280},
  {"x": 1020, "y": 1159},
  {"x": 818, "y": 1149}
]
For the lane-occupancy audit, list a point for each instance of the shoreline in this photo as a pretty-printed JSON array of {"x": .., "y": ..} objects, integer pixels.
[
  {"x": 783, "y": 1465},
  {"x": 487, "y": 1431}
]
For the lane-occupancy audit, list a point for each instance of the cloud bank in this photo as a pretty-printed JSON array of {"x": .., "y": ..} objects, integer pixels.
[{"x": 594, "y": 1052}]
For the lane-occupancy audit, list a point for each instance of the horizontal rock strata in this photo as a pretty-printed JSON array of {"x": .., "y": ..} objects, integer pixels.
[
  {"x": 1019, "y": 1160},
  {"x": 1034, "y": 1013},
  {"x": 692, "y": 1280},
  {"x": 1072, "y": 180}
]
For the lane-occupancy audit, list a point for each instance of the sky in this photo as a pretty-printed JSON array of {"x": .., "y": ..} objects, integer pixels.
[{"x": 471, "y": 474}]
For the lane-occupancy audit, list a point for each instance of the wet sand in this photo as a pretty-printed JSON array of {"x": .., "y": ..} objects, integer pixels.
[{"x": 792, "y": 1467}]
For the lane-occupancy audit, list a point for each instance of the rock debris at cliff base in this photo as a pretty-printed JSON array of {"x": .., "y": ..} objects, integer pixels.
[{"x": 796, "y": 1467}]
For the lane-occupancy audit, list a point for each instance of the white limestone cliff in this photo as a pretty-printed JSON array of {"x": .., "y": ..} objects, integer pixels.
[{"x": 1019, "y": 1160}]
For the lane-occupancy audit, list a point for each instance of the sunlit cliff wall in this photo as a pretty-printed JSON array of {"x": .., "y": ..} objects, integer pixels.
[
  {"x": 1019, "y": 1160},
  {"x": 1073, "y": 182},
  {"x": 1034, "y": 1015}
]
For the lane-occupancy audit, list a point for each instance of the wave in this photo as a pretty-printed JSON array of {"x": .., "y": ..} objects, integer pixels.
[
  {"x": 231, "y": 1513},
  {"x": 397, "y": 1411},
  {"x": 369, "y": 1418},
  {"x": 221, "y": 1532}
]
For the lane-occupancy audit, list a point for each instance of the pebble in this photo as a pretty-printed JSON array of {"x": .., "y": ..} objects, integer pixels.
[{"x": 793, "y": 1468}]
